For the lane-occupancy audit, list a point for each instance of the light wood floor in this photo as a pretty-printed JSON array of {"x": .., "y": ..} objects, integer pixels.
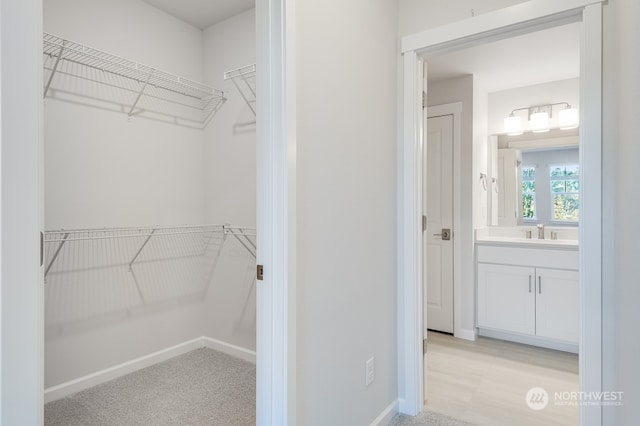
[{"x": 485, "y": 382}]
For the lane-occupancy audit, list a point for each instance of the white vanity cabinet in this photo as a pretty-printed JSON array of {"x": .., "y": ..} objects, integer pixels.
[
  {"x": 529, "y": 295},
  {"x": 557, "y": 304},
  {"x": 506, "y": 298}
]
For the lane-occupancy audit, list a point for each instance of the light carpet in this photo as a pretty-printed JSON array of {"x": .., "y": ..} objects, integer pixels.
[
  {"x": 430, "y": 418},
  {"x": 202, "y": 387}
]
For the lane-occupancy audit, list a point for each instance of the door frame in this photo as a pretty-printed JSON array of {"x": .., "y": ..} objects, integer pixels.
[
  {"x": 21, "y": 214},
  {"x": 454, "y": 109},
  {"x": 276, "y": 213},
  {"x": 508, "y": 22}
]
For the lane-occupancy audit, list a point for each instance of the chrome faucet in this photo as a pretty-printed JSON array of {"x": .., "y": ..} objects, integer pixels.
[{"x": 540, "y": 227}]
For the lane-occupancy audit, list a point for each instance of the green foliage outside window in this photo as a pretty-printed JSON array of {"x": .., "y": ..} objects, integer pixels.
[
  {"x": 529, "y": 192},
  {"x": 565, "y": 191}
]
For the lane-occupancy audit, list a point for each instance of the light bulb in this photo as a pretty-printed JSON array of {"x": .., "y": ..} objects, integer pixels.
[
  {"x": 513, "y": 126},
  {"x": 539, "y": 122},
  {"x": 568, "y": 118}
]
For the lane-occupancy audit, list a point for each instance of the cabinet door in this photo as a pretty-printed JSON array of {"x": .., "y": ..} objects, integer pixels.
[
  {"x": 557, "y": 304},
  {"x": 506, "y": 298}
]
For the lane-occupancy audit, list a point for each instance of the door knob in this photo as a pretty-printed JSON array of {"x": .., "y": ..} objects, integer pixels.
[{"x": 446, "y": 234}]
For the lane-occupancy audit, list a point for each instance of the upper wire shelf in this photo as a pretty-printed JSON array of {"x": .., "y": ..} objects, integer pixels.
[
  {"x": 138, "y": 80},
  {"x": 140, "y": 237},
  {"x": 245, "y": 81}
]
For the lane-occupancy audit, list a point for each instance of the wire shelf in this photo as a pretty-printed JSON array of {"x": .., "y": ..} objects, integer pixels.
[
  {"x": 138, "y": 81},
  {"x": 96, "y": 273},
  {"x": 245, "y": 81}
]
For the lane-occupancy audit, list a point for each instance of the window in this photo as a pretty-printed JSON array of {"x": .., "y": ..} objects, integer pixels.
[
  {"x": 529, "y": 192},
  {"x": 565, "y": 192}
]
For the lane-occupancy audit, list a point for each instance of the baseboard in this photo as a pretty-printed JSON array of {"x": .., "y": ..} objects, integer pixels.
[
  {"x": 466, "y": 334},
  {"x": 229, "y": 349},
  {"x": 533, "y": 341},
  {"x": 68, "y": 388},
  {"x": 387, "y": 414}
]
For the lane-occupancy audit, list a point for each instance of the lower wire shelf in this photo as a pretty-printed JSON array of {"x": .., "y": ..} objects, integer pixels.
[{"x": 99, "y": 271}]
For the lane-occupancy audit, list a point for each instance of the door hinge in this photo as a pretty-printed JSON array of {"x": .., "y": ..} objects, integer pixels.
[
  {"x": 424, "y": 346},
  {"x": 424, "y": 223},
  {"x": 260, "y": 272},
  {"x": 41, "y": 248},
  {"x": 424, "y": 99}
]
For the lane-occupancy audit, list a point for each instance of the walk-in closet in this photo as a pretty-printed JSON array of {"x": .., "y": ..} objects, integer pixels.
[{"x": 150, "y": 212}]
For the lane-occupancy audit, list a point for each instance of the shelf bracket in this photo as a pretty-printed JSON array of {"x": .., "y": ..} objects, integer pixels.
[
  {"x": 141, "y": 248},
  {"x": 249, "y": 93},
  {"x": 245, "y": 241},
  {"x": 144, "y": 86},
  {"x": 53, "y": 71},
  {"x": 248, "y": 102},
  {"x": 55, "y": 255}
]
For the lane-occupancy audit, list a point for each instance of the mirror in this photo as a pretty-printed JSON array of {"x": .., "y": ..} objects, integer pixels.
[{"x": 533, "y": 178}]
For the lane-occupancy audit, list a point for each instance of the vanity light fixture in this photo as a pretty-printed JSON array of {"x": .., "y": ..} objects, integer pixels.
[{"x": 538, "y": 116}]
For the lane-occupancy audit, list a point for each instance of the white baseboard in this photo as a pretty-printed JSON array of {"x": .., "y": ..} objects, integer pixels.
[
  {"x": 68, "y": 388},
  {"x": 466, "y": 334},
  {"x": 229, "y": 349},
  {"x": 527, "y": 340},
  {"x": 387, "y": 414}
]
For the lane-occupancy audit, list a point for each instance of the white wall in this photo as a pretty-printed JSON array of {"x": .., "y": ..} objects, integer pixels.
[
  {"x": 230, "y": 182},
  {"x": 460, "y": 89},
  {"x": 103, "y": 170},
  {"x": 503, "y": 102},
  {"x": 419, "y": 15},
  {"x": 21, "y": 221},
  {"x": 346, "y": 203}
]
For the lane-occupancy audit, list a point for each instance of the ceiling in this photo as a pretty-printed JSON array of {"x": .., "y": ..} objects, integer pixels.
[
  {"x": 534, "y": 58},
  {"x": 202, "y": 13}
]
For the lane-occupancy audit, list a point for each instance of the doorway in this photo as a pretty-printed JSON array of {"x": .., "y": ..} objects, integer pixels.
[{"x": 499, "y": 25}]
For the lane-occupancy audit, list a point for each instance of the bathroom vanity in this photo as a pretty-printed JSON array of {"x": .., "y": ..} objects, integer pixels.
[{"x": 528, "y": 289}]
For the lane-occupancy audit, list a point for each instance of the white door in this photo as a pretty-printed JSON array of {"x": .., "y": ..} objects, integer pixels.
[
  {"x": 558, "y": 304},
  {"x": 506, "y": 298},
  {"x": 438, "y": 235}
]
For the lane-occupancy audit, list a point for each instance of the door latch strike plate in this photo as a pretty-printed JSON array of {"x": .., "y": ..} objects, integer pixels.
[
  {"x": 260, "y": 272},
  {"x": 41, "y": 248}
]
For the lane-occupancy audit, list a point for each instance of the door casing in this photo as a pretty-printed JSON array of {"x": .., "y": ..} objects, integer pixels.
[{"x": 515, "y": 20}]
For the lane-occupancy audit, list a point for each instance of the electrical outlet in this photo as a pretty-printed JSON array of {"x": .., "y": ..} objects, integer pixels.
[{"x": 370, "y": 371}]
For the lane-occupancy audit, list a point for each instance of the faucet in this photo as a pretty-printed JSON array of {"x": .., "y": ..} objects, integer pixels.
[{"x": 540, "y": 227}]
